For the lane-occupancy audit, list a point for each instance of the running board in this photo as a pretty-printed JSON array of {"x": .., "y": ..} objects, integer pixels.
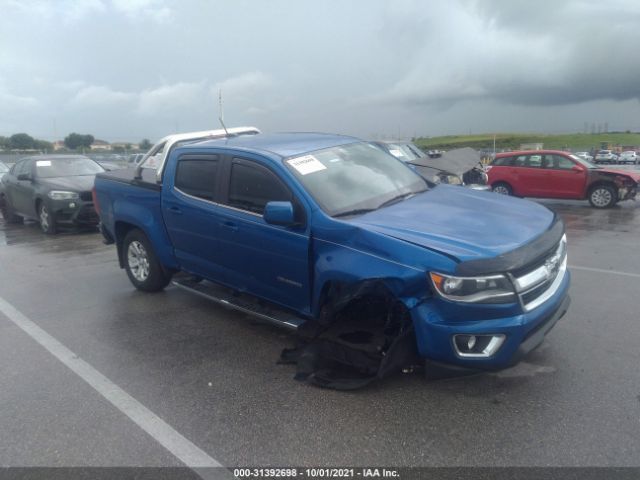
[{"x": 242, "y": 302}]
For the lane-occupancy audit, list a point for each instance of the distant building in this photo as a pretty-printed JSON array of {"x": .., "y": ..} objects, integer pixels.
[
  {"x": 531, "y": 146},
  {"x": 58, "y": 145},
  {"x": 123, "y": 145},
  {"x": 100, "y": 145}
]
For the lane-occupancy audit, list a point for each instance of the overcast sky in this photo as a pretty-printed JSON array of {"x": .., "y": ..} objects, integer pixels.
[{"x": 132, "y": 69}]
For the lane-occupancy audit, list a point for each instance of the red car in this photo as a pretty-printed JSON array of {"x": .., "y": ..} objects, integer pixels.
[{"x": 557, "y": 174}]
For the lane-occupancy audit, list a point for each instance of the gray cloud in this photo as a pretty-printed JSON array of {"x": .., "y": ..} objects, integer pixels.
[
  {"x": 144, "y": 68},
  {"x": 521, "y": 52}
]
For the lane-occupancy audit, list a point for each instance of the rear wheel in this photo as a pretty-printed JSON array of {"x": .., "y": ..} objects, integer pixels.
[
  {"x": 47, "y": 219},
  {"x": 503, "y": 188},
  {"x": 603, "y": 196},
  {"x": 142, "y": 266}
]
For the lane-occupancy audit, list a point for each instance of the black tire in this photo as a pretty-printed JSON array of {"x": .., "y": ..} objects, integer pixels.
[
  {"x": 47, "y": 219},
  {"x": 147, "y": 274},
  {"x": 7, "y": 212},
  {"x": 502, "y": 188},
  {"x": 603, "y": 196}
]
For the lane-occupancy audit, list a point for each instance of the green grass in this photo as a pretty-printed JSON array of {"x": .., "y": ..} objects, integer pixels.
[{"x": 573, "y": 141}]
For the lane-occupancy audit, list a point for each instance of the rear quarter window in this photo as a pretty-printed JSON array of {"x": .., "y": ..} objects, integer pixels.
[
  {"x": 502, "y": 162},
  {"x": 197, "y": 177}
]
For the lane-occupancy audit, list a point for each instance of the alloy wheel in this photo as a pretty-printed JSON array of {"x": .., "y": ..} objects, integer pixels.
[
  {"x": 138, "y": 261},
  {"x": 601, "y": 197}
]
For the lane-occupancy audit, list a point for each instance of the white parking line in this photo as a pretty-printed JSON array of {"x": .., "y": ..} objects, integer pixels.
[
  {"x": 163, "y": 433},
  {"x": 602, "y": 270}
]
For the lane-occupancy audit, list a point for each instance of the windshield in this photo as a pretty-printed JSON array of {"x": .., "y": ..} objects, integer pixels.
[
  {"x": 67, "y": 167},
  {"x": 403, "y": 152},
  {"x": 3, "y": 168},
  {"x": 583, "y": 161},
  {"x": 415, "y": 149},
  {"x": 354, "y": 178}
]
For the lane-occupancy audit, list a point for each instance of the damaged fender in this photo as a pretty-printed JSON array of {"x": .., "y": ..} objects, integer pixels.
[{"x": 362, "y": 329}]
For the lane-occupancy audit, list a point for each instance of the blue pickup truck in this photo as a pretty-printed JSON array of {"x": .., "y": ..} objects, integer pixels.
[{"x": 375, "y": 267}]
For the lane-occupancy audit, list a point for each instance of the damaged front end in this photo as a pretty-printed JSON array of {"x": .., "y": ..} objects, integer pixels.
[
  {"x": 627, "y": 188},
  {"x": 363, "y": 334}
]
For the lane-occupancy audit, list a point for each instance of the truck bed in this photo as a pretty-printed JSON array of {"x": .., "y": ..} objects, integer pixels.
[{"x": 127, "y": 176}]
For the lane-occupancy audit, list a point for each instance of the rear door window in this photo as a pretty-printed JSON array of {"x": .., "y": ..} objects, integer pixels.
[
  {"x": 198, "y": 176},
  {"x": 558, "y": 162}
]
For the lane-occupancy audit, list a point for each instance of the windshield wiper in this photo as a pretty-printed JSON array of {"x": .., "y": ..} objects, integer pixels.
[
  {"x": 399, "y": 198},
  {"x": 356, "y": 211}
]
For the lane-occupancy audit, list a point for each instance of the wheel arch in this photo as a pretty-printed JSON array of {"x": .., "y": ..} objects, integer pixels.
[{"x": 121, "y": 231}]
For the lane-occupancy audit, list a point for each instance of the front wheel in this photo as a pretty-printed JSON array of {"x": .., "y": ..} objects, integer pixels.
[
  {"x": 142, "y": 266},
  {"x": 503, "y": 188},
  {"x": 602, "y": 196},
  {"x": 47, "y": 219}
]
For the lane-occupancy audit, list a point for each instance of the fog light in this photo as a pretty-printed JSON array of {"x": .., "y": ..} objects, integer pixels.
[
  {"x": 480, "y": 346},
  {"x": 72, "y": 205},
  {"x": 471, "y": 343}
]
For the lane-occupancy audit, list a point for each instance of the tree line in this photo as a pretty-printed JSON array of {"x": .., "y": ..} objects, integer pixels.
[
  {"x": 73, "y": 141},
  {"x": 22, "y": 141}
]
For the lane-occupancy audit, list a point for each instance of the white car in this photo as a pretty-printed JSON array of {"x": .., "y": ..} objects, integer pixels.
[
  {"x": 629, "y": 157},
  {"x": 584, "y": 156},
  {"x": 606, "y": 156}
]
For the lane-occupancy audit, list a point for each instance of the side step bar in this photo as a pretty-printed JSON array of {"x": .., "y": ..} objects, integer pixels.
[{"x": 242, "y": 302}]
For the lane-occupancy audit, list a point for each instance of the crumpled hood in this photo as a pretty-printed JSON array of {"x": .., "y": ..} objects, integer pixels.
[
  {"x": 461, "y": 222},
  {"x": 629, "y": 173},
  {"x": 81, "y": 183},
  {"x": 457, "y": 161}
]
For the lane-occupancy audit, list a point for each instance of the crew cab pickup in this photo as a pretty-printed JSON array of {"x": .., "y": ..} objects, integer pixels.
[{"x": 326, "y": 230}]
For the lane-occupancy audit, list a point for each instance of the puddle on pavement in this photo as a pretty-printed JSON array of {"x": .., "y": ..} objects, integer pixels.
[{"x": 28, "y": 234}]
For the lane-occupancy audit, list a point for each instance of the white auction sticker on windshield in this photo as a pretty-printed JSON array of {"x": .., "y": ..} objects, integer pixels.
[
  {"x": 43, "y": 163},
  {"x": 306, "y": 165}
]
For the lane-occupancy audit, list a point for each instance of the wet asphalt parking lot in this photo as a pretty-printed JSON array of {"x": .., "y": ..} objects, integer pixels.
[{"x": 210, "y": 374}]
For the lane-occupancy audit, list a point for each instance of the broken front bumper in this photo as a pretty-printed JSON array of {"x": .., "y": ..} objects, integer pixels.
[{"x": 517, "y": 334}]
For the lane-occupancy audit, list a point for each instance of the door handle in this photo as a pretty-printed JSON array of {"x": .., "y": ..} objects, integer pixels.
[
  {"x": 175, "y": 210},
  {"x": 230, "y": 225}
]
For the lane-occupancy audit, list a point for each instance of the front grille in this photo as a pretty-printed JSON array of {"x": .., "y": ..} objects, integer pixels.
[
  {"x": 539, "y": 281},
  {"x": 86, "y": 196},
  {"x": 535, "y": 292}
]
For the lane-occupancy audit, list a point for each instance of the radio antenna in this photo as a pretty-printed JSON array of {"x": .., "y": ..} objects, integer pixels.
[{"x": 221, "y": 117}]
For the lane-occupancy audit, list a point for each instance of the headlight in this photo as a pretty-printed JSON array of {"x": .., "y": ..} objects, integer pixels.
[
  {"x": 487, "y": 289},
  {"x": 450, "y": 179},
  {"x": 62, "y": 195}
]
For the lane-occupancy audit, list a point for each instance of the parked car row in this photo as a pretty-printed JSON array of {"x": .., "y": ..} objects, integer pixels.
[
  {"x": 55, "y": 189},
  {"x": 628, "y": 157}
]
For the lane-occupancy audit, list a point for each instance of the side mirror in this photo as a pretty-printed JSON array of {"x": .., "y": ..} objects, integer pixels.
[
  {"x": 279, "y": 213},
  {"x": 24, "y": 177}
]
